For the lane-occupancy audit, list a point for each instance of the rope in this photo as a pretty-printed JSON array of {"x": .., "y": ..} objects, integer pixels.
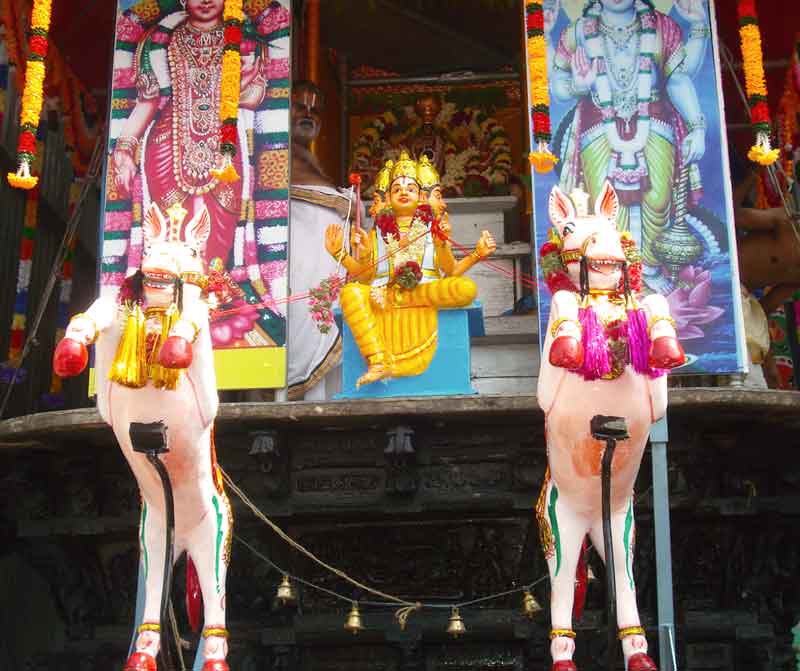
[{"x": 300, "y": 548}]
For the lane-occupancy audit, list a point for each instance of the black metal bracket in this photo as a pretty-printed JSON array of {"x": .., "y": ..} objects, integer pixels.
[{"x": 610, "y": 429}]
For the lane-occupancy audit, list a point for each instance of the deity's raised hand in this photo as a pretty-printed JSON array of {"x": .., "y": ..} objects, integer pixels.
[
  {"x": 486, "y": 245},
  {"x": 584, "y": 70},
  {"x": 334, "y": 239},
  {"x": 692, "y": 11}
]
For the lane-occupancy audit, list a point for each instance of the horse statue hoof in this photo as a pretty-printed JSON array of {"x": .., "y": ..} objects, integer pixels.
[
  {"x": 564, "y": 665},
  {"x": 70, "y": 358},
  {"x": 666, "y": 352},
  {"x": 215, "y": 665},
  {"x": 566, "y": 352},
  {"x": 139, "y": 661},
  {"x": 641, "y": 662},
  {"x": 176, "y": 352}
]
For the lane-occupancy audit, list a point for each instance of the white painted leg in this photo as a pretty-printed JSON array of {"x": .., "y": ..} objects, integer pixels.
[
  {"x": 152, "y": 547},
  {"x": 623, "y": 530},
  {"x": 568, "y": 531},
  {"x": 208, "y": 544}
]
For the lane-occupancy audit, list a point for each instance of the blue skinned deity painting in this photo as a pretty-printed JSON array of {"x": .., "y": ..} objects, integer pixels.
[{"x": 636, "y": 99}]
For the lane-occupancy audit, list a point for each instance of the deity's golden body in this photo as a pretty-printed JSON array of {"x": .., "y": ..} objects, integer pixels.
[{"x": 403, "y": 271}]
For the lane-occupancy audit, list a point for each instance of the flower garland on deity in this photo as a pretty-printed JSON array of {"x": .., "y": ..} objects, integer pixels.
[
  {"x": 32, "y": 95},
  {"x": 481, "y": 155},
  {"x": 789, "y": 114},
  {"x": 541, "y": 158},
  {"x": 755, "y": 84},
  {"x": 230, "y": 83}
]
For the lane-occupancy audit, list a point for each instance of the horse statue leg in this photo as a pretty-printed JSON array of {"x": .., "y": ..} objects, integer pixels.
[
  {"x": 152, "y": 539},
  {"x": 631, "y": 633},
  {"x": 562, "y": 531},
  {"x": 209, "y": 545}
]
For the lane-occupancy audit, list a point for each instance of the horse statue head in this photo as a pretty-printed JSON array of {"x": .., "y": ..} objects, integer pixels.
[
  {"x": 172, "y": 252},
  {"x": 593, "y": 237}
]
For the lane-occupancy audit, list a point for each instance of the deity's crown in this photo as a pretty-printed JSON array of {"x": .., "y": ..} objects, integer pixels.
[
  {"x": 384, "y": 177},
  {"x": 405, "y": 167},
  {"x": 176, "y": 213},
  {"x": 580, "y": 199},
  {"x": 427, "y": 175}
]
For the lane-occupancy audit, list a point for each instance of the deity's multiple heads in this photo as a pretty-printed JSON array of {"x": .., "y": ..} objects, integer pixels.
[{"x": 401, "y": 182}]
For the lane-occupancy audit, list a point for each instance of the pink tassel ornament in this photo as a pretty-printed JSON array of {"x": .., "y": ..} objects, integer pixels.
[{"x": 596, "y": 360}]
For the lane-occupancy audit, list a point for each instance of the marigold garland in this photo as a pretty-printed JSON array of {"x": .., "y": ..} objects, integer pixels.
[
  {"x": 230, "y": 84},
  {"x": 753, "y": 64},
  {"x": 32, "y": 95},
  {"x": 542, "y": 159}
]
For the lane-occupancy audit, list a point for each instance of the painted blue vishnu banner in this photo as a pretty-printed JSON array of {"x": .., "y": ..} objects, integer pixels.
[{"x": 635, "y": 98}]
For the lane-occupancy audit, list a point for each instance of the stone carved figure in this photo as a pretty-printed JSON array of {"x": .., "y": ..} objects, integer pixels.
[
  {"x": 605, "y": 353},
  {"x": 154, "y": 363}
]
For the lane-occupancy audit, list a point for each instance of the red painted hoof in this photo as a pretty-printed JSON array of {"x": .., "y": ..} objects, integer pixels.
[
  {"x": 140, "y": 661},
  {"x": 564, "y": 665},
  {"x": 641, "y": 662},
  {"x": 566, "y": 352},
  {"x": 70, "y": 358},
  {"x": 666, "y": 352},
  {"x": 215, "y": 665},
  {"x": 176, "y": 352}
]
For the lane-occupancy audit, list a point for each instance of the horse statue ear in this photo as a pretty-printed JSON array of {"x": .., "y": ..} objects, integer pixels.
[
  {"x": 198, "y": 229},
  {"x": 607, "y": 203},
  {"x": 154, "y": 225},
  {"x": 561, "y": 209}
]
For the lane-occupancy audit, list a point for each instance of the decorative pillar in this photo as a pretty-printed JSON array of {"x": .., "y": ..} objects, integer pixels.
[{"x": 312, "y": 40}]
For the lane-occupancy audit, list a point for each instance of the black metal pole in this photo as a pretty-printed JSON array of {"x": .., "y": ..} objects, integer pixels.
[{"x": 608, "y": 543}]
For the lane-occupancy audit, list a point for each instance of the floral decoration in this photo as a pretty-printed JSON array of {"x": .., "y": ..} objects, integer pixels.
[
  {"x": 753, "y": 64},
  {"x": 321, "y": 300},
  {"x": 32, "y": 95},
  {"x": 408, "y": 275},
  {"x": 541, "y": 158},
  {"x": 230, "y": 84}
]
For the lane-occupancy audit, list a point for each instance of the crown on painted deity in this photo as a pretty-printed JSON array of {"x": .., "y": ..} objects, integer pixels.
[
  {"x": 384, "y": 177},
  {"x": 405, "y": 167},
  {"x": 427, "y": 175},
  {"x": 580, "y": 199},
  {"x": 176, "y": 214}
]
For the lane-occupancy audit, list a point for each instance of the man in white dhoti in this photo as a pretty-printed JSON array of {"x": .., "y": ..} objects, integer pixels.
[{"x": 314, "y": 357}]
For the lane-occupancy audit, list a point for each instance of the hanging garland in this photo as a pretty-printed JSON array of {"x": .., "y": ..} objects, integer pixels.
[
  {"x": 230, "y": 83},
  {"x": 26, "y": 247},
  {"x": 32, "y": 95},
  {"x": 789, "y": 113},
  {"x": 542, "y": 159},
  {"x": 753, "y": 64}
]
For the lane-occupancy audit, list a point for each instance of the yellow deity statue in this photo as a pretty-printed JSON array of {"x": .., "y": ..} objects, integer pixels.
[{"x": 403, "y": 271}]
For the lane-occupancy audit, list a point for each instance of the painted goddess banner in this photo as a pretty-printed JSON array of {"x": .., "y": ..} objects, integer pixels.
[
  {"x": 164, "y": 140},
  {"x": 635, "y": 98}
]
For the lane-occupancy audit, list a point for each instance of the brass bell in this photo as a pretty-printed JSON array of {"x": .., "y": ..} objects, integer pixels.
[
  {"x": 530, "y": 606},
  {"x": 354, "y": 620},
  {"x": 285, "y": 591},
  {"x": 456, "y": 627}
]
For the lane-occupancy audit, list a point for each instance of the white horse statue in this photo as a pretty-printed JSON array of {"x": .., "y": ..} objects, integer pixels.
[
  {"x": 154, "y": 363},
  {"x": 605, "y": 354}
]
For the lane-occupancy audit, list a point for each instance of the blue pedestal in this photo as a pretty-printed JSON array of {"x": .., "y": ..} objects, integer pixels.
[{"x": 448, "y": 374}]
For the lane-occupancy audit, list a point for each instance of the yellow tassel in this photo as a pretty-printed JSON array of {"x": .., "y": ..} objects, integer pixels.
[
  {"x": 165, "y": 378},
  {"x": 129, "y": 367},
  {"x": 227, "y": 173},
  {"x": 22, "y": 178}
]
